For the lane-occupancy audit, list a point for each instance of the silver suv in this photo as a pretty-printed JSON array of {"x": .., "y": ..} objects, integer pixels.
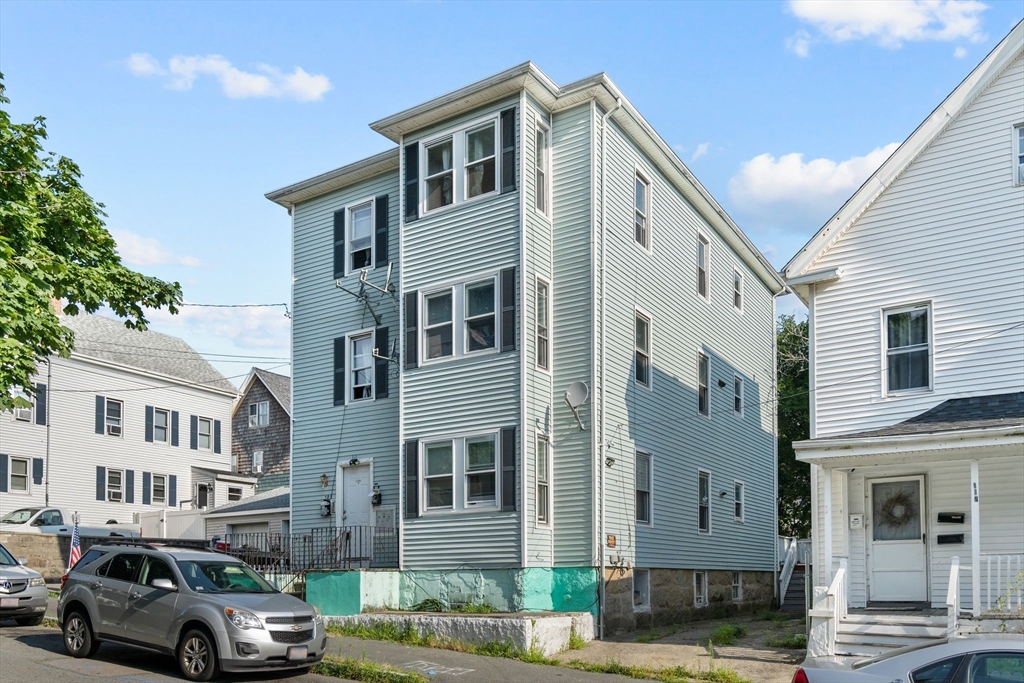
[{"x": 209, "y": 610}]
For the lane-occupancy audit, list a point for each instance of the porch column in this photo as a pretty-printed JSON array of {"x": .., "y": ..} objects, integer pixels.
[
  {"x": 827, "y": 531},
  {"x": 975, "y": 542}
]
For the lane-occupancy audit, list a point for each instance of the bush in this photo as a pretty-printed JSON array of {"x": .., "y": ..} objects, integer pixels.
[{"x": 726, "y": 634}]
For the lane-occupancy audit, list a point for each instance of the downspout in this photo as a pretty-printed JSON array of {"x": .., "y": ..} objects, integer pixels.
[
  {"x": 49, "y": 400},
  {"x": 601, "y": 428}
]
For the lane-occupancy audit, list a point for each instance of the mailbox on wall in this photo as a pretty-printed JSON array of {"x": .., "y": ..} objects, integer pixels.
[{"x": 951, "y": 517}]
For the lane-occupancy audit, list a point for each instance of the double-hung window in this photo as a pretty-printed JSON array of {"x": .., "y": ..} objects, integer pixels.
[
  {"x": 437, "y": 332},
  {"x": 642, "y": 211},
  {"x": 257, "y": 462},
  {"x": 481, "y": 471},
  {"x": 360, "y": 236},
  {"x": 642, "y": 350},
  {"x": 461, "y": 165},
  {"x": 703, "y": 266},
  {"x": 643, "y": 488},
  {"x": 205, "y": 429},
  {"x": 700, "y": 589},
  {"x": 159, "y": 487},
  {"x": 259, "y": 414},
  {"x": 543, "y": 330},
  {"x": 703, "y": 404},
  {"x": 361, "y": 381},
  {"x": 440, "y": 176},
  {"x": 543, "y": 479},
  {"x": 737, "y": 290},
  {"x": 908, "y": 348},
  {"x": 481, "y": 160},
  {"x": 1018, "y": 145},
  {"x": 737, "y": 586},
  {"x": 470, "y": 308},
  {"x": 540, "y": 161},
  {"x": 439, "y": 475},
  {"x": 113, "y": 413},
  {"x": 479, "y": 317},
  {"x": 115, "y": 486},
  {"x": 19, "y": 475},
  {"x": 737, "y": 395},
  {"x": 737, "y": 500},
  {"x": 704, "y": 502},
  {"x": 161, "y": 422},
  {"x": 460, "y": 474}
]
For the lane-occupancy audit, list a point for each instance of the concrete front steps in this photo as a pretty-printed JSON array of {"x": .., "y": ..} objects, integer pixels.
[{"x": 873, "y": 634}]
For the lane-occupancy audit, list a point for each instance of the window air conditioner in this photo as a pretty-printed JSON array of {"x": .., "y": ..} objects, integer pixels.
[
  {"x": 115, "y": 496},
  {"x": 114, "y": 430}
]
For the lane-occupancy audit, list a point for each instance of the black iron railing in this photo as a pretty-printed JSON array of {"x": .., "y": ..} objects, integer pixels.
[{"x": 351, "y": 547}]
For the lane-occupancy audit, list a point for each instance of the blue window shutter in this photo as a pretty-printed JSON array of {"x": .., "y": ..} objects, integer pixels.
[
  {"x": 37, "y": 471},
  {"x": 174, "y": 427},
  {"x": 412, "y": 182},
  {"x": 412, "y": 479},
  {"x": 216, "y": 436},
  {"x": 382, "y": 368},
  {"x": 40, "y": 404},
  {"x": 508, "y": 309},
  {"x": 508, "y": 150},
  {"x": 101, "y": 483},
  {"x": 339, "y": 243},
  {"x": 412, "y": 316},
  {"x": 149, "y": 423},
  {"x": 3, "y": 473},
  {"x": 147, "y": 488},
  {"x": 172, "y": 491},
  {"x": 193, "y": 432},
  {"x": 381, "y": 231},
  {"x": 339, "y": 371},
  {"x": 101, "y": 405},
  {"x": 509, "y": 502},
  {"x": 129, "y": 486}
]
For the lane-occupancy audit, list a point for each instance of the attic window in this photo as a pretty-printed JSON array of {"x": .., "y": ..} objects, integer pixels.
[{"x": 259, "y": 414}]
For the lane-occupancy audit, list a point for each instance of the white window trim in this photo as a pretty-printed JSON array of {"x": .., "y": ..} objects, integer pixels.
[
  {"x": 152, "y": 489},
  {"x": 107, "y": 483},
  {"x": 106, "y": 427},
  {"x": 742, "y": 394},
  {"x": 234, "y": 462},
  {"x": 459, "y": 332},
  {"x": 546, "y": 130},
  {"x": 25, "y": 414},
  {"x": 650, "y": 487},
  {"x": 637, "y": 311},
  {"x": 199, "y": 422},
  {"x": 644, "y": 606},
  {"x": 458, "y": 138},
  {"x": 466, "y": 503},
  {"x": 702, "y": 599},
  {"x": 703, "y": 532},
  {"x": 701, "y": 236},
  {"x": 736, "y": 272},
  {"x": 167, "y": 428},
  {"x": 546, "y": 438},
  {"x": 256, "y": 424},
  {"x": 703, "y": 354},
  {"x": 350, "y": 224},
  {"x": 460, "y": 493},
  {"x": 737, "y": 587},
  {"x": 549, "y": 370},
  {"x": 742, "y": 501},
  {"x": 241, "y": 493},
  {"x": 252, "y": 460},
  {"x": 1017, "y": 130},
  {"x": 884, "y": 314},
  {"x": 646, "y": 178},
  {"x": 350, "y": 367},
  {"x": 28, "y": 476}
]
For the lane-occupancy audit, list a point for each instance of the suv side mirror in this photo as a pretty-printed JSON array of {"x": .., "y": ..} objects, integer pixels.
[
  {"x": 23, "y": 561},
  {"x": 164, "y": 584}
]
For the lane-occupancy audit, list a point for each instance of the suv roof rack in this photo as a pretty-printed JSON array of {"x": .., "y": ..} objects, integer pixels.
[
  {"x": 149, "y": 545},
  {"x": 129, "y": 543}
]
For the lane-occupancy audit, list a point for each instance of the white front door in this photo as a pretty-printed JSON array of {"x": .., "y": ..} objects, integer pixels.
[
  {"x": 355, "y": 513},
  {"x": 899, "y": 553}
]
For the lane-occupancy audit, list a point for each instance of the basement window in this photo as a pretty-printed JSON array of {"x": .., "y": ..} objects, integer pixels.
[
  {"x": 641, "y": 590},
  {"x": 700, "y": 589}
]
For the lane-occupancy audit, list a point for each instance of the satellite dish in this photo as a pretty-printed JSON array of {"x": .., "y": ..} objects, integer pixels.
[{"x": 575, "y": 396}]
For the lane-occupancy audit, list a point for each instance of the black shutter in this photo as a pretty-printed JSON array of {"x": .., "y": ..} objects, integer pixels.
[
  {"x": 129, "y": 486},
  {"x": 37, "y": 471},
  {"x": 149, "y": 423},
  {"x": 508, "y": 309},
  {"x": 3, "y": 473},
  {"x": 412, "y": 316},
  {"x": 101, "y": 405},
  {"x": 412, "y": 479},
  {"x": 147, "y": 488},
  {"x": 172, "y": 491},
  {"x": 412, "y": 182},
  {"x": 339, "y": 371},
  {"x": 381, "y": 367},
  {"x": 381, "y": 231},
  {"x": 174, "y": 427},
  {"x": 193, "y": 432},
  {"x": 101, "y": 483},
  {"x": 339, "y": 243},
  {"x": 508, "y": 150},
  {"x": 508, "y": 469},
  {"x": 40, "y": 404},
  {"x": 216, "y": 436}
]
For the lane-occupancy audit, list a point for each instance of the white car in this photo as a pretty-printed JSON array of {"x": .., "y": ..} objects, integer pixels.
[{"x": 22, "y": 591}]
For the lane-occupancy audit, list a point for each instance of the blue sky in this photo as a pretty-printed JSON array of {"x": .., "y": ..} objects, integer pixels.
[{"x": 182, "y": 115}]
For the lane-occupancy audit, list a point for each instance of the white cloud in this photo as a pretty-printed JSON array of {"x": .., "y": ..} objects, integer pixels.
[
  {"x": 266, "y": 81},
  {"x": 799, "y": 43},
  {"x": 960, "y": 52},
  {"x": 889, "y": 22},
  {"x": 263, "y": 330},
  {"x": 136, "y": 250},
  {"x": 701, "y": 150}
]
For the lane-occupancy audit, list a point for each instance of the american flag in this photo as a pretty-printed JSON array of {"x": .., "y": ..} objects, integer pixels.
[{"x": 76, "y": 547}]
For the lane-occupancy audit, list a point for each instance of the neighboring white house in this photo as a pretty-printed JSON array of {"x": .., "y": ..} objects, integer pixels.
[
  {"x": 915, "y": 291},
  {"x": 132, "y": 421}
]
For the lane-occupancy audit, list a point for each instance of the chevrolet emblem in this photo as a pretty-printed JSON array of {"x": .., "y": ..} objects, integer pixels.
[{"x": 297, "y": 627}]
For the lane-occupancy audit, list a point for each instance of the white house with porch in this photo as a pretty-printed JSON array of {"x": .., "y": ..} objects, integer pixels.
[{"x": 915, "y": 293}]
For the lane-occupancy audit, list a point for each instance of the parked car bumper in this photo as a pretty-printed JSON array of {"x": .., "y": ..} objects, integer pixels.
[
  {"x": 256, "y": 649},
  {"x": 31, "y": 602}
]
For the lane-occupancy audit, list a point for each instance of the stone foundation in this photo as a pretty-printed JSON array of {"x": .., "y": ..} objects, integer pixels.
[{"x": 671, "y": 597}]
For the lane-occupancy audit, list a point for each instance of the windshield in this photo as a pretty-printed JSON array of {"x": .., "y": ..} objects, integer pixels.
[
  {"x": 6, "y": 559},
  {"x": 18, "y": 516},
  {"x": 217, "y": 576}
]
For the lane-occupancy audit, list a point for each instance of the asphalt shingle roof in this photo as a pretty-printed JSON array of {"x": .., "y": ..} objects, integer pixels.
[
  {"x": 279, "y": 385},
  {"x": 268, "y": 500},
  {"x": 974, "y": 412},
  {"x": 108, "y": 339}
]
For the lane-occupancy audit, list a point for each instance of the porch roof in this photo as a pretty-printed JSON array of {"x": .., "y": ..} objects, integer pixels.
[{"x": 956, "y": 414}]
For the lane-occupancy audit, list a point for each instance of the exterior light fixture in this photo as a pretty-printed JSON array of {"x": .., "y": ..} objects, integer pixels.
[{"x": 324, "y": 480}]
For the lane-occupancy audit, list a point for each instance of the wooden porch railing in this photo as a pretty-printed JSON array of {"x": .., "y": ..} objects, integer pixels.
[
  {"x": 1004, "y": 583},
  {"x": 953, "y": 598}
]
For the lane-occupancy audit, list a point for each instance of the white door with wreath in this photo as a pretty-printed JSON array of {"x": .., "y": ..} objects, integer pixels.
[{"x": 898, "y": 550}]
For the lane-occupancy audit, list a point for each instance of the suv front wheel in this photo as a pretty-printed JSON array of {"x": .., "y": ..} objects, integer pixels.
[
  {"x": 78, "y": 638},
  {"x": 197, "y": 656}
]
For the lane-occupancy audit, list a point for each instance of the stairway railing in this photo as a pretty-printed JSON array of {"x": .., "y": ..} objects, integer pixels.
[{"x": 953, "y": 598}]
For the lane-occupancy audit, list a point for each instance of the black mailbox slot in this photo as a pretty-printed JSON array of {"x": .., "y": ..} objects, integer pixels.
[
  {"x": 945, "y": 539},
  {"x": 951, "y": 517}
]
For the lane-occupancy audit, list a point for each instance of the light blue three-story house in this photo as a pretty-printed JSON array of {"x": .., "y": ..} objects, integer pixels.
[{"x": 520, "y": 239}]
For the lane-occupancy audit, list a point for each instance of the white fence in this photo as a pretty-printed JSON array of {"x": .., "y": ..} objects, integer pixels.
[{"x": 181, "y": 524}]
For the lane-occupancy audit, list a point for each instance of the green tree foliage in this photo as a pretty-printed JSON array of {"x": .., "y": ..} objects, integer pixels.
[
  {"x": 794, "y": 425},
  {"x": 54, "y": 246}
]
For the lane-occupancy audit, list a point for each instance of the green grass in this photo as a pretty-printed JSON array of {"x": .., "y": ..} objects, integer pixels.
[
  {"x": 366, "y": 671},
  {"x": 675, "y": 674},
  {"x": 576, "y": 641},
  {"x": 795, "y": 641},
  {"x": 727, "y": 634},
  {"x": 52, "y": 594},
  {"x": 652, "y": 636},
  {"x": 777, "y": 617},
  {"x": 474, "y": 609}
]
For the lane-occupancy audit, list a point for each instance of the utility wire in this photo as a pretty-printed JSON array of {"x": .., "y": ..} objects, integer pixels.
[{"x": 169, "y": 385}]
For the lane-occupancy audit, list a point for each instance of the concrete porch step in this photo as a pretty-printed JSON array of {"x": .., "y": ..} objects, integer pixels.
[
  {"x": 888, "y": 619},
  {"x": 877, "y": 640},
  {"x": 891, "y": 629}
]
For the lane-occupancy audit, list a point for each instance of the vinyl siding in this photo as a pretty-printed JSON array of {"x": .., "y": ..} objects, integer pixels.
[
  {"x": 217, "y": 526},
  {"x": 947, "y": 231},
  {"x": 324, "y": 434},
  {"x": 664, "y": 420}
]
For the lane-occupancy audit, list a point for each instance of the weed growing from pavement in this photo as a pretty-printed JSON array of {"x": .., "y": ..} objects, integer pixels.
[
  {"x": 726, "y": 634},
  {"x": 364, "y": 670},
  {"x": 576, "y": 641},
  {"x": 795, "y": 641},
  {"x": 52, "y": 623}
]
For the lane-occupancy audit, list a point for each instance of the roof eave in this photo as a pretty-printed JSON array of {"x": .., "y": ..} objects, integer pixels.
[
  {"x": 336, "y": 179},
  {"x": 818, "y": 449}
]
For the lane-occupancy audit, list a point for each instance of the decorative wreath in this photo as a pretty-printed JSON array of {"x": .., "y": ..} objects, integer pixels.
[{"x": 898, "y": 510}]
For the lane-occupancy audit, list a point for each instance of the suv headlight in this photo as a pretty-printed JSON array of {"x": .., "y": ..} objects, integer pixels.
[
  {"x": 38, "y": 581},
  {"x": 241, "y": 618},
  {"x": 317, "y": 616}
]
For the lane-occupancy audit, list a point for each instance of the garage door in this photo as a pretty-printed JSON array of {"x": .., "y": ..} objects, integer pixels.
[{"x": 251, "y": 528}]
